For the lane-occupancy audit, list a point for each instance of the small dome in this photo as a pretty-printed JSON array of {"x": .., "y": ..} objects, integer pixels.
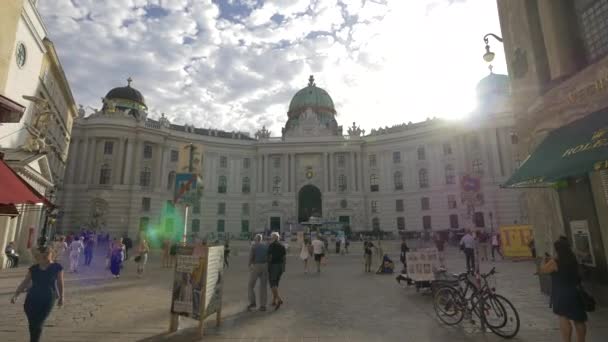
[
  {"x": 494, "y": 84},
  {"x": 127, "y": 93},
  {"x": 313, "y": 97}
]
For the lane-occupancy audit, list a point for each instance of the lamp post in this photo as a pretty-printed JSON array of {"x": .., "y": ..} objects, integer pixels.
[{"x": 489, "y": 55}]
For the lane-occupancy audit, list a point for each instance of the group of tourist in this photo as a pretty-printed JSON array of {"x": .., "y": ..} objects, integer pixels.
[
  {"x": 475, "y": 246},
  {"x": 267, "y": 263}
]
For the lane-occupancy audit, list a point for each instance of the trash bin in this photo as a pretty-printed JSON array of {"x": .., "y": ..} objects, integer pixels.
[{"x": 543, "y": 279}]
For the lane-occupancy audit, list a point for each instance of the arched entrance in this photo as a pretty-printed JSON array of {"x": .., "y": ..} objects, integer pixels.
[{"x": 309, "y": 203}]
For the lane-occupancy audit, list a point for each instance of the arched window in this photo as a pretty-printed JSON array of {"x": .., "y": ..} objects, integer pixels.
[
  {"x": 276, "y": 184},
  {"x": 171, "y": 180},
  {"x": 105, "y": 174},
  {"x": 246, "y": 187},
  {"x": 145, "y": 176},
  {"x": 375, "y": 223},
  {"x": 342, "y": 183},
  {"x": 421, "y": 153},
  {"x": 423, "y": 178},
  {"x": 450, "y": 177},
  {"x": 222, "y": 185},
  {"x": 373, "y": 182},
  {"x": 398, "y": 180},
  {"x": 477, "y": 166}
]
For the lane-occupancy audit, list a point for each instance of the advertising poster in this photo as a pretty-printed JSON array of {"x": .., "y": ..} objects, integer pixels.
[
  {"x": 422, "y": 264},
  {"x": 213, "y": 285},
  {"x": 581, "y": 241},
  {"x": 514, "y": 240}
]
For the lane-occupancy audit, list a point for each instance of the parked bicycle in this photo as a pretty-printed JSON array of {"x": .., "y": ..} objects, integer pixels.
[{"x": 473, "y": 296}]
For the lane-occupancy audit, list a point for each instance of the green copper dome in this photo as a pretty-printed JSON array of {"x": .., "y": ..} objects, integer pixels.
[{"x": 311, "y": 97}]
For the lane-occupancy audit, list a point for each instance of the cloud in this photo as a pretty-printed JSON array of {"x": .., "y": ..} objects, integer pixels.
[{"x": 235, "y": 64}]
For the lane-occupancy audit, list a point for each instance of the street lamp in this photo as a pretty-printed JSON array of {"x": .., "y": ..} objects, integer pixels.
[{"x": 489, "y": 55}]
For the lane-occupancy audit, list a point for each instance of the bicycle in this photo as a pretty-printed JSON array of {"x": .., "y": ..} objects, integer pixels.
[{"x": 476, "y": 297}]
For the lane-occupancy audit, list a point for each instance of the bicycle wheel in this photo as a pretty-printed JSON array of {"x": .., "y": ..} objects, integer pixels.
[
  {"x": 447, "y": 305},
  {"x": 510, "y": 328},
  {"x": 493, "y": 313}
]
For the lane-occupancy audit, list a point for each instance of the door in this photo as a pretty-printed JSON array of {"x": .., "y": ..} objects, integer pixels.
[
  {"x": 309, "y": 203},
  {"x": 275, "y": 224}
]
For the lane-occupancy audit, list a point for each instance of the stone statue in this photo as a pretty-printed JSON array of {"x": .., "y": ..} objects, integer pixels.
[
  {"x": 164, "y": 121},
  {"x": 81, "y": 112},
  {"x": 262, "y": 133}
]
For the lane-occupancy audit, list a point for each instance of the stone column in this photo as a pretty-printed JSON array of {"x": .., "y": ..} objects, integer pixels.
[
  {"x": 285, "y": 180},
  {"x": 83, "y": 157},
  {"x": 128, "y": 170},
  {"x": 138, "y": 156},
  {"x": 293, "y": 172},
  {"x": 118, "y": 160},
  {"x": 351, "y": 181},
  {"x": 558, "y": 20},
  {"x": 267, "y": 177},
  {"x": 258, "y": 173},
  {"x": 92, "y": 167},
  {"x": 159, "y": 163},
  {"x": 330, "y": 168}
]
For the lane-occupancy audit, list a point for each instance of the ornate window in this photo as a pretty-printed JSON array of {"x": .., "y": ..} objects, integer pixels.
[
  {"x": 479, "y": 220},
  {"x": 222, "y": 184},
  {"x": 145, "y": 177},
  {"x": 223, "y": 162},
  {"x": 592, "y": 18},
  {"x": 374, "y": 205},
  {"x": 454, "y": 221},
  {"x": 452, "y": 203},
  {"x": 421, "y": 153},
  {"x": 170, "y": 180},
  {"x": 221, "y": 208},
  {"x": 400, "y": 223},
  {"x": 147, "y": 151},
  {"x": 373, "y": 182},
  {"x": 196, "y": 208},
  {"x": 196, "y": 226},
  {"x": 108, "y": 147},
  {"x": 376, "y": 223},
  {"x": 372, "y": 161},
  {"x": 174, "y": 156},
  {"x": 399, "y": 205},
  {"x": 145, "y": 204},
  {"x": 447, "y": 149},
  {"x": 425, "y": 203},
  {"x": 276, "y": 161},
  {"x": 477, "y": 167},
  {"x": 423, "y": 178},
  {"x": 341, "y": 183},
  {"x": 244, "y": 226},
  {"x": 396, "y": 157},
  {"x": 276, "y": 184},
  {"x": 426, "y": 222},
  {"x": 246, "y": 187},
  {"x": 221, "y": 225},
  {"x": 341, "y": 160},
  {"x": 105, "y": 174},
  {"x": 450, "y": 176},
  {"x": 398, "y": 180}
]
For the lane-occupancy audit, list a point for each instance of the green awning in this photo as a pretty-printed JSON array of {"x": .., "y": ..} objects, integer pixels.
[{"x": 572, "y": 150}]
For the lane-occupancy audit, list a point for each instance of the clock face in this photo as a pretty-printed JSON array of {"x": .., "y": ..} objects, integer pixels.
[
  {"x": 21, "y": 55},
  {"x": 309, "y": 174}
]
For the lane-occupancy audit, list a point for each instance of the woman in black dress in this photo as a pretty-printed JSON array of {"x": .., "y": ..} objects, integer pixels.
[
  {"x": 276, "y": 267},
  {"x": 565, "y": 293},
  {"x": 46, "y": 280}
]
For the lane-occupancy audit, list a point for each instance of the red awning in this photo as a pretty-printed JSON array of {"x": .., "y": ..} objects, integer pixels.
[
  {"x": 10, "y": 111},
  {"x": 15, "y": 190}
]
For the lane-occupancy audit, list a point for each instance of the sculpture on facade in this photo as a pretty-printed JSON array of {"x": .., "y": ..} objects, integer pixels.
[
  {"x": 355, "y": 131},
  {"x": 262, "y": 133},
  {"x": 164, "y": 121}
]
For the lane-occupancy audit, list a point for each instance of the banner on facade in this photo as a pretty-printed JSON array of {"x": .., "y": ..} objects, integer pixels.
[
  {"x": 422, "y": 264},
  {"x": 197, "y": 284},
  {"x": 185, "y": 188},
  {"x": 515, "y": 240}
]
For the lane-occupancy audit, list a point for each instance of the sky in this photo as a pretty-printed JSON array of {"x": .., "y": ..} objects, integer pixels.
[{"x": 235, "y": 64}]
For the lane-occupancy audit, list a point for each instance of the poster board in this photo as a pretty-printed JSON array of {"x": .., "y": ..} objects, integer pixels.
[
  {"x": 197, "y": 284},
  {"x": 422, "y": 264},
  {"x": 581, "y": 242},
  {"x": 514, "y": 240}
]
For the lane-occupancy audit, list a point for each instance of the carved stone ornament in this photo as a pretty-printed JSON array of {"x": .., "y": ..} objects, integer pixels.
[
  {"x": 519, "y": 64},
  {"x": 262, "y": 133},
  {"x": 164, "y": 121},
  {"x": 355, "y": 131}
]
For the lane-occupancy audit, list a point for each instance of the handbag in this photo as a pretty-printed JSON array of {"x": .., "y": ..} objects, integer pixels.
[
  {"x": 137, "y": 258},
  {"x": 587, "y": 299}
]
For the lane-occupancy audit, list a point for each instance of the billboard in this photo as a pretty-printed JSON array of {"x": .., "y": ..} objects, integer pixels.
[
  {"x": 514, "y": 240},
  {"x": 185, "y": 188}
]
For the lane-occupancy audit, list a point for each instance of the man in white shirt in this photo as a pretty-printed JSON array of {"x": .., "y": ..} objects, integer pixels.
[
  {"x": 75, "y": 248},
  {"x": 318, "y": 248},
  {"x": 468, "y": 245}
]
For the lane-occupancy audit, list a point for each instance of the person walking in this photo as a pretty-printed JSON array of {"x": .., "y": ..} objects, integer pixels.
[
  {"x": 318, "y": 249},
  {"x": 226, "y": 254},
  {"x": 143, "y": 248},
  {"x": 276, "y": 267},
  {"x": 404, "y": 249},
  {"x": 483, "y": 240},
  {"x": 116, "y": 257},
  {"x": 343, "y": 244},
  {"x": 305, "y": 254},
  {"x": 75, "y": 248},
  {"x": 258, "y": 270},
  {"x": 566, "y": 299},
  {"x": 440, "y": 245},
  {"x": 468, "y": 244},
  {"x": 59, "y": 249},
  {"x": 338, "y": 243},
  {"x": 495, "y": 240},
  {"x": 128, "y": 243},
  {"x": 45, "y": 282},
  {"x": 89, "y": 248},
  {"x": 346, "y": 244},
  {"x": 368, "y": 251}
]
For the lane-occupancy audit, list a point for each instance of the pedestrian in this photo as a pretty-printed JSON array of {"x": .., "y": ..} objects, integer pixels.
[
  {"x": 338, "y": 243},
  {"x": 276, "y": 267},
  {"x": 143, "y": 248},
  {"x": 172, "y": 253},
  {"x": 368, "y": 246},
  {"x": 89, "y": 248},
  {"x": 440, "y": 245},
  {"x": 343, "y": 244},
  {"x": 566, "y": 299},
  {"x": 258, "y": 269},
  {"x": 226, "y": 253},
  {"x": 11, "y": 253},
  {"x": 483, "y": 240},
  {"x": 45, "y": 282},
  {"x": 165, "y": 253},
  {"x": 532, "y": 247},
  {"x": 346, "y": 244},
  {"x": 75, "y": 248},
  {"x": 496, "y": 245},
  {"x": 404, "y": 249},
  {"x": 116, "y": 257},
  {"x": 59, "y": 249},
  {"x": 305, "y": 253},
  {"x": 467, "y": 245},
  {"x": 128, "y": 243},
  {"x": 318, "y": 249}
]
